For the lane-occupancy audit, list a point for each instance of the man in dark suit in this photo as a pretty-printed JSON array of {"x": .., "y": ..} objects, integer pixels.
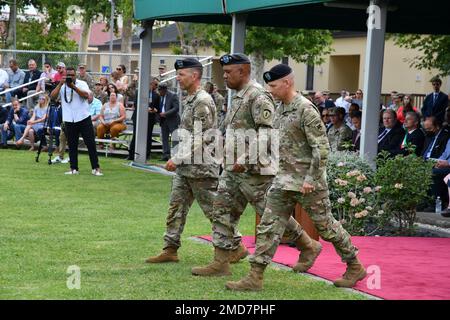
[
  {"x": 435, "y": 103},
  {"x": 169, "y": 106},
  {"x": 31, "y": 75},
  {"x": 436, "y": 138},
  {"x": 153, "y": 111},
  {"x": 414, "y": 135},
  {"x": 391, "y": 135},
  {"x": 356, "y": 134},
  {"x": 435, "y": 146}
]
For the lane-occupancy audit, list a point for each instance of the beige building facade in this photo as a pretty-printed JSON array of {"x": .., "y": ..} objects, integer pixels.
[{"x": 344, "y": 69}]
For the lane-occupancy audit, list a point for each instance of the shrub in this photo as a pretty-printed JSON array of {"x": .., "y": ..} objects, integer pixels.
[
  {"x": 353, "y": 193},
  {"x": 404, "y": 183}
]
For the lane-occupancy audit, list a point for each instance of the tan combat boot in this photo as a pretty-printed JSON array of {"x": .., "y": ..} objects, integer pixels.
[
  {"x": 219, "y": 267},
  {"x": 252, "y": 282},
  {"x": 240, "y": 253},
  {"x": 354, "y": 273},
  {"x": 169, "y": 254},
  {"x": 309, "y": 251}
]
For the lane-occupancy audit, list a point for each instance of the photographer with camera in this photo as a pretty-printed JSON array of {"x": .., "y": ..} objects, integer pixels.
[{"x": 74, "y": 96}]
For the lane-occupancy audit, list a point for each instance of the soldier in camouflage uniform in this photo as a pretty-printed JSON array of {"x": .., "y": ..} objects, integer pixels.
[
  {"x": 192, "y": 181},
  {"x": 301, "y": 178},
  {"x": 219, "y": 100},
  {"x": 252, "y": 108},
  {"x": 339, "y": 133}
]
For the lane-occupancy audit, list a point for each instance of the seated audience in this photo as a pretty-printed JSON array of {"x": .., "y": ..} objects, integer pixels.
[
  {"x": 321, "y": 101},
  {"x": 36, "y": 124},
  {"x": 342, "y": 101},
  {"x": 356, "y": 116},
  {"x": 103, "y": 80},
  {"x": 405, "y": 108},
  {"x": 60, "y": 72},
  {"x": 47, "y": 77},
  {"x": 348, "y": 120},
  {"x": 436, "y": 137},
  {"x": 396, "y": 102},
  {"x": 16, "y": 78},
  {"x": 326, "y": 119},
  {"x": 358, "y": 99},
  {"x": 16, "y": 121},
  {"x": 391, "y": 135},
  {"x": 4, "y": 78},
  {"x": 113, "y": 89},
  {"x": 99, "y": 93},
  {"x": 414, "y": 136},
  {"x": 440, "y": 171},
  {"x": 4, "y": 111},
  {"x": 122, "y": 79},
  {"x": 95, "y": 110},
  {"x": 31, "y": 75},
  {"x": 339, "y": 133},
  {"x": 112, "y": 118},
  {"x": 86, "y": 77},
  {"x": 391, "y": 104}
]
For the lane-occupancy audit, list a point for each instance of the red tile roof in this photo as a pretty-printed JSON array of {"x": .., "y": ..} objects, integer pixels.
[{"x": 99, "y": 34}]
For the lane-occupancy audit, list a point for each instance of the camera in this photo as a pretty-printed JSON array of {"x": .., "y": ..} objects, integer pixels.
[{"x": 69, "y": 80}]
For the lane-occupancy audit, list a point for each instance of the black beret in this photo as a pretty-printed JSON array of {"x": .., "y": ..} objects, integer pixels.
[
  {"x": 277, "y": 72},
  {"x": 235, "y": 58},
  {"x": 187, "y": 63}
]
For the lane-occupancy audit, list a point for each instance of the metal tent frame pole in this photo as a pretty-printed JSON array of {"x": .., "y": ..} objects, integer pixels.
[
  {"x": 145, "y": 63},
  {"x": 373, "y": 75}
]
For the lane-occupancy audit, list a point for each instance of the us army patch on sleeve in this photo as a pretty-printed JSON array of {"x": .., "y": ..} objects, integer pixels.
[{"x": 266, "y": 114}]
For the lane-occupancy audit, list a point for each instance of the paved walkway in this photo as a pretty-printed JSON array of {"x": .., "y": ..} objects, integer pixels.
[{"x": 433, "y": 219}]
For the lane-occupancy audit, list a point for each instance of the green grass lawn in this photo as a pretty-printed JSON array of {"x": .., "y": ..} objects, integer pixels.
[{"x": 108, "y": 226}]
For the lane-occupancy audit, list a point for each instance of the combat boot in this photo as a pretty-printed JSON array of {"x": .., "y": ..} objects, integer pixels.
[
  {"x": 309, "y": 251},
  {"x": 240, "y": 253},
  {"x": 354, "y": 273},
  {"x": 219, "y": 267},
  {"x": 252, "y": 282},
  {"x": 169, "y": 254}
]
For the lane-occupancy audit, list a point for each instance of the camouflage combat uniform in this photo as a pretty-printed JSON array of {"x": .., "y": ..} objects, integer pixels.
[
  {"x": 304, "y": 151},
  {"x": 219, "y": 100},
  {"x": 337, "y": 137},
  {"x": 251, "y": 108},
  {"x": 192, "y": 181},
  {"x": 88, "y": 79}
]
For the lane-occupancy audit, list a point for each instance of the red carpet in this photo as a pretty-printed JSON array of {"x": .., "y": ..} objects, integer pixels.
[{"x": 409, "y": 268}]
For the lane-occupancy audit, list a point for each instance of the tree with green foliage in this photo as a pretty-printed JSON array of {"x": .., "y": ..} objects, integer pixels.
[
  {"x": 125, "y": 9},
  {"x": 7, "y": 38},
  {"x": 32, "y": 33},
  {"x": 434, "y": 49},
  {"x": 89, "y": 12},
  {"x": 266, "y": 43}
]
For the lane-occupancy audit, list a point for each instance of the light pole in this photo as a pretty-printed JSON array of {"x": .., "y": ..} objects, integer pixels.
[{"x": 111, "y": 34}]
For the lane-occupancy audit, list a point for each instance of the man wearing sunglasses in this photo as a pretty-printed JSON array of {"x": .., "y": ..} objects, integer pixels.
[{"x": 60, "y": 72}]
